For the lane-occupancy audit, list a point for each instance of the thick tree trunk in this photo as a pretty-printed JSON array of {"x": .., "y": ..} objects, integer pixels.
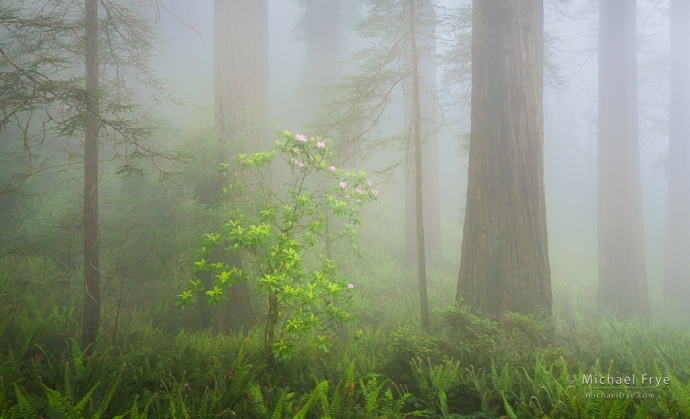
[
  {"x": 426, "y": 53},
  {"x": 677, "y": 258},
  {"x": 321, "y": 31},
  {"x": 92, "y": 294},
  {"x": 241, "y": 73},
  {"x": 505, "y": 264},
  {"x": 241, "y": 99},
  {"x": 419, "y": 196},
  {"x": 622, "y": 270}
]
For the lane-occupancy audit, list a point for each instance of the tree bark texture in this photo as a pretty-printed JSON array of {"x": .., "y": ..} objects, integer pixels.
[
  {"x": 241, "y": 101},
  {"x": 622, "y": 269},
  {"x": 677, "y": 258},
  {"x": 92, "y": 294},
  {"x": 241, "y": 73},
  {"x": 426, "y": 55},
  {"x": 504, "y": 263},
  {"x": 418, "y": 169}
]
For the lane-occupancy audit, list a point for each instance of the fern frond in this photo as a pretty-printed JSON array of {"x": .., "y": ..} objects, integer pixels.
[
  {"x": 278, "y": 411},
  {"x": 314, "y": 396}
]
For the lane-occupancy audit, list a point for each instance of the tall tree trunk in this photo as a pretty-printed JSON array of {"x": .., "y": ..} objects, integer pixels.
[
  {"x": 505, "y": 264},
  {"x": 92, "y": 295},
  {"x": 677, "y": 258},
  {"x": 321, "y": 31},
  {"x": 419, "y": 196},
  {"x": 426, "y": 55},
  {"x": 622, "y": 270},
  {"x": 241, "y": 73},
  {"x": 321, "y": 23},
  {"x": 241, "y": 102}
]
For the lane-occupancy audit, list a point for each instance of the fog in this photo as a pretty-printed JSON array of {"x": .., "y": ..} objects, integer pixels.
[{"x": 303, "y": 281}]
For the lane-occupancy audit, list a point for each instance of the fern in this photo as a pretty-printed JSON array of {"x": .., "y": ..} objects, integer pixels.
[
  {"x": 63, "y": 404},
  {"x": 435, "y": 381},
  {"x": 509, "y": 410},
  {"x": 371, "y": 393},
  {"x": 134, "y": 412},
  {"x": 315, "y": 395},
  {"x": 21, "y": 410},
  {"x": 280, "y": 405},
  {"x": 675, "y": 399}
]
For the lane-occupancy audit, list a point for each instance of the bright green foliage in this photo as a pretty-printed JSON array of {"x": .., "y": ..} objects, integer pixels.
[
  {"x": 275, "y": 227},
  {"x": 435, "y": 381},
  {"x": 368, "y": 400},
  {"x": 65, "y": 406},
  {"x": 675, "y": 399}
]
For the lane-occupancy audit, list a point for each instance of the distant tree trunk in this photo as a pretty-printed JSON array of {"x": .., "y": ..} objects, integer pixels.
[
  {"x": 419, "y": 196},
  {"x": 241, "y": 73},
  {"x": 505, "y": 264},
  {"x": 321, "y": 31},
  {"x": 677, "y": 258},
  {"x": 622, "y": 270},
  {"x": 241, "y": 99},
  {"x": 426, "y": 46},
  {"x": 92, "y": 294}
]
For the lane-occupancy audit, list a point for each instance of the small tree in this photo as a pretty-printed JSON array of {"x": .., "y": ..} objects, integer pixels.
[
  {"x": 72, "y": 77},
  {"x": 277, "y": 232},
  {"x": 401, "y": 56}
]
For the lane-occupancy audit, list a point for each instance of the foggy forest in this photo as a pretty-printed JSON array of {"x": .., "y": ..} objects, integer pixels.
[{"x": 345, "y": 209}]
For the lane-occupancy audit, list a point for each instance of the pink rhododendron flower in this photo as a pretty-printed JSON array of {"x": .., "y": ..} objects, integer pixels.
[
  {"x": 332, "y": 168},
  {"x": 375, "y": 192},
  {"x": 358, "y": 190},
  {"x": 311, "y": 138},
  {"x": 320, "y": 144},
  {"x": 343, "y": 184},
  {"x": 350, "y": 286},
  {"x": 301, "y": 138},
  {"x": 369, "y": 183},
  {"x": 301, "y": 165}
]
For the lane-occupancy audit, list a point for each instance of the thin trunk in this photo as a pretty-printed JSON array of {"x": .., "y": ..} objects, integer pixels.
[
  {"x": 421, "y": 251},
  {"x": 677, "y": 259},
  {"x": 119, "y": 304},
  {"x": 426, "y": 57},
  {"x": 622, "y": 269},
  {"x": 271, "y": 323},
  {"x": 504, "y": 263},
  {"x": 69, "y": 288},
  {"x": 92, "y": 294}
]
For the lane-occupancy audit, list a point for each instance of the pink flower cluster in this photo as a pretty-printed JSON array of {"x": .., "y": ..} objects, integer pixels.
[{"x": 360, "y": 190}]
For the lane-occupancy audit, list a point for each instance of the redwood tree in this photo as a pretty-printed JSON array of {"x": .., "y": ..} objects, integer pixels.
[
  {"x": 320, "y": 29},
  {"x": 677, "y": 258},
  {"x": 505, "y": 264},
  {"x": 622, "y": 270},
  {"x": 241, "y": 101},
  {"x": 241, "y": 73}
]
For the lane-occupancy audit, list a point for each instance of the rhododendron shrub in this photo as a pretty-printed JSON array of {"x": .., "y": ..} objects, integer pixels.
[{"x": 276, "y": 222}]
